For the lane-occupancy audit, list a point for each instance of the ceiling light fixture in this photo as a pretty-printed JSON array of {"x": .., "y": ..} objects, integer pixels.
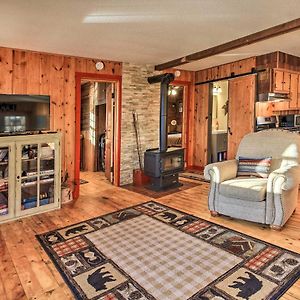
[{"x": 172, "y": 91}]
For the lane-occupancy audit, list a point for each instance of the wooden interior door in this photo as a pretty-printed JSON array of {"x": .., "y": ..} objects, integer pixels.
[
  {"x": 241, "y": 115},
  {"x": 201, "y": 124},
  {"x": 109, "y": 137}
]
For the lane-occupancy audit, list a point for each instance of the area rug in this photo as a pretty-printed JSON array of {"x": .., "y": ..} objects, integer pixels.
[{"x": 151, "y": 251}]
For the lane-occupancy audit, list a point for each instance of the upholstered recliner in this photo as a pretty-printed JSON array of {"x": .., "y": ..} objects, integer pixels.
[{"x": 270, "y": 200}]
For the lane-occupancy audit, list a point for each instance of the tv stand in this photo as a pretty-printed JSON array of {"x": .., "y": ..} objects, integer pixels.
[{"x": 29, "y": 174}]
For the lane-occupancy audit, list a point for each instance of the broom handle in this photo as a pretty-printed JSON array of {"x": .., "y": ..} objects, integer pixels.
[{"x": 137, "y": 139}]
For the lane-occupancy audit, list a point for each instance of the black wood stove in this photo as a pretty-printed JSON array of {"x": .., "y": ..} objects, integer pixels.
[{"x": 163, "y": 164}]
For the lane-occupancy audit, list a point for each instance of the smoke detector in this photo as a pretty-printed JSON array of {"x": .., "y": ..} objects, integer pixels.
[{"x": 99, "y": 65}]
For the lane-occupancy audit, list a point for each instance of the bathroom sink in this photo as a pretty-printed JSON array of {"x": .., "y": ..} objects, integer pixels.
[{"x": 219, "y": 131}]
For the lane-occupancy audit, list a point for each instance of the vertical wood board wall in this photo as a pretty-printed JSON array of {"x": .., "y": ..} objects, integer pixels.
[{"x": 28, "y": 72}]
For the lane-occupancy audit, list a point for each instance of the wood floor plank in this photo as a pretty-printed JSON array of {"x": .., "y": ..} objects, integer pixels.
[
  {"x": 10, "y": 279},
  {"x": 30, "y": 274}
]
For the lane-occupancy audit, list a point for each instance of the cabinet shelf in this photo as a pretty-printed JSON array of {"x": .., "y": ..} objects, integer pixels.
[
  {"x": 29, "y": 176},
  {"x": 33, "y": 183},
  {"x": 28, "y": 159},
  {"x": 42, "y": 173}
]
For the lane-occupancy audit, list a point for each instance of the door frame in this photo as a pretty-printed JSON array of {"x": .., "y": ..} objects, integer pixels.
[
  {"x": 187, "y": 85},
  {"x": 117, "y": 79}
]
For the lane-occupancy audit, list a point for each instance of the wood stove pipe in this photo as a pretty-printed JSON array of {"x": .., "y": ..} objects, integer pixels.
[{"x": 164, "y": 80}]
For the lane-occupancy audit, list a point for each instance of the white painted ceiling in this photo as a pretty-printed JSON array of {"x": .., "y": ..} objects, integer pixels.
[{"x": 145, "y": 31}]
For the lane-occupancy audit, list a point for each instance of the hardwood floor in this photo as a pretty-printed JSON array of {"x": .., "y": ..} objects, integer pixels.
[{"x": 26, "y": 272}]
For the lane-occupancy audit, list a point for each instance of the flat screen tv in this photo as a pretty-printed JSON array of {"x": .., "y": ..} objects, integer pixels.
[{"x": 23, "y": 113}]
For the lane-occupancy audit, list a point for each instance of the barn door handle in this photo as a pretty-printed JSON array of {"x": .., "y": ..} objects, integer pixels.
[{"x": 229, "y": 130}]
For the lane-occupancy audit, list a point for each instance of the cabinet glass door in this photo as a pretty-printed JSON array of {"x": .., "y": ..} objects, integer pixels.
[
  {"x": 47, "y": 172},
  {"x": 6, "y": 181},
  {"x": 29, "y": 176},
  {"x": 36, "y": 180}
]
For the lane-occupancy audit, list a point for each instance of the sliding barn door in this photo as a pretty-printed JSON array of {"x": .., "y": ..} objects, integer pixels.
[
  {"x": 200, "y": 126},
  {"x": 241, "y": 111},
  {"x": 109, "y": 137}
]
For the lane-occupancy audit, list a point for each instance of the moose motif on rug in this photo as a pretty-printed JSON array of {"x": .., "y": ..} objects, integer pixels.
[
  {"x": 76, "y": 230},
  {"x": 247, "y": 286},
  {"x": 168, "y": 216},
  {"x": 99, "y": 279}
]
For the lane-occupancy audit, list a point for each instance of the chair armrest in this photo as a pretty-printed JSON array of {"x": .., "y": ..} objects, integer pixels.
[
  {"x": 285, "y": 178},
  {"x": 221, "y": 171}
]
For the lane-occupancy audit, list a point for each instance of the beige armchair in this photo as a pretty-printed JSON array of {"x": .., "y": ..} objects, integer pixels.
[{"x": 269, "y": 200}]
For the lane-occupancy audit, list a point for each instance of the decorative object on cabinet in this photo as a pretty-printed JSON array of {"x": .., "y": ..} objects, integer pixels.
[{"x": 29, "y": 174}]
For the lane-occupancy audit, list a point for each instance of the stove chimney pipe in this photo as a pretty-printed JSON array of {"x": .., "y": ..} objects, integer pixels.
[{"x": 164, "y": 80}]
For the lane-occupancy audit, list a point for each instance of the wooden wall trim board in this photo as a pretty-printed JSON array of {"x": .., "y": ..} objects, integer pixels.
[
  {"x": 105, "y": 78},
  {"x": 30, "y": 72}
]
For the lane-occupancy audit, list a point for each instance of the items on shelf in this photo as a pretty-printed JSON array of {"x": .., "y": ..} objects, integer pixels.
[
  {"x": 3, "y": 185},
  {"x": 3, "y": 209},
  {"x": 47, "y": 152},
  {"x": 3, "y": 204},
  {"x": 29, "y": 152},
  {"x": 4, "y": 154},
  {"x": 32, "y": 202}
]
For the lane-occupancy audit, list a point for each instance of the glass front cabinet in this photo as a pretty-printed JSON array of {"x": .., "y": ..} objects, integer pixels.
[{"x": 29, "y": 175}]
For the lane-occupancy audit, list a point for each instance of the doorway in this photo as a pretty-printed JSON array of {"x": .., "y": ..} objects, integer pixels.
[
  {"x": 218, "y": 122},
  {"x": 98, "y": 115},
  {"x": 178, "y": 116},
  {"x": 97, "y": 127},
  {"x": 231, "y": 115},
  {"x": 175, "y": 115}
]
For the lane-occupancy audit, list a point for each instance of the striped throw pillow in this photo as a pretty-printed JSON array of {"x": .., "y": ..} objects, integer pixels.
[{"x": 258, "y": 167}]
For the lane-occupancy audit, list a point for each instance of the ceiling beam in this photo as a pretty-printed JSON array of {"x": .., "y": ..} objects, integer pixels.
[{"x": 234, "y": 44}]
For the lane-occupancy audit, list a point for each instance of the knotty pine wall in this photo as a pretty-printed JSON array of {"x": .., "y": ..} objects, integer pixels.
[
  {"x": 199, "y": 111},
  {"x": 28, "y": 72}
]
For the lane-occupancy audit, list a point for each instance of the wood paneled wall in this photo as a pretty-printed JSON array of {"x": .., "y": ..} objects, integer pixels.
[
  {"x": 28, "y": 72},
  {"x": 199, "y": 112}
]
